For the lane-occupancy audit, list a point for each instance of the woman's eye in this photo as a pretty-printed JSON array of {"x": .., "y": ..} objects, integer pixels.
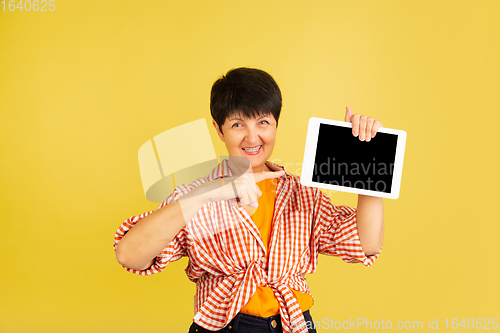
[{"x": 239, "y": 125}]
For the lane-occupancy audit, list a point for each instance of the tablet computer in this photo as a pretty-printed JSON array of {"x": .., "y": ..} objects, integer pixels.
[{"x": 335, "y": 159}]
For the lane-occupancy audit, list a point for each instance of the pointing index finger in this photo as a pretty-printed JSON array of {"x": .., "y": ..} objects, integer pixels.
[{"x": 267, "y": 175}]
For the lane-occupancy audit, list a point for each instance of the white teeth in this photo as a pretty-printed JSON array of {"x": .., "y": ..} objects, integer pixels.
[{"x": 252, "y": 150}]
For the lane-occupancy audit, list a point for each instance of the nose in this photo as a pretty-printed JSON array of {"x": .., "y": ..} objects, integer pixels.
[{"x": 252, "y": 136}]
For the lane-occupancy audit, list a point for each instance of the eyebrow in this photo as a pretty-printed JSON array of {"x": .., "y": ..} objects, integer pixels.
[{"x": 235, "y": 118}]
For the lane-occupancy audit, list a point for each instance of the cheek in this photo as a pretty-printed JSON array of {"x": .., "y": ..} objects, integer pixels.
[
  {"x": 234, "y": 143},
  {"x": 270, "y": 139}
]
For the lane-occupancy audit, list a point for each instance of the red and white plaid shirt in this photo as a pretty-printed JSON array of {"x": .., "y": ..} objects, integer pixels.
[{"x": 228, "y": 260}]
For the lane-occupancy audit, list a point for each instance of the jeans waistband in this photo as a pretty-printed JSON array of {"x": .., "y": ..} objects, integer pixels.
[
  {"x": 245, "y": 323},
  {"x": 269, "y": 324}
]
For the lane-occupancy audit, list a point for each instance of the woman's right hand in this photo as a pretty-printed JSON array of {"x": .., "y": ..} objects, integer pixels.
[
  {"x": 245, "y": 189},
  {"x": 239, "y": 190}
]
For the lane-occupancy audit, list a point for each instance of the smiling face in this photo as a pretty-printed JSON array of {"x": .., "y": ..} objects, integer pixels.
[{"x": 252, "y": 138}]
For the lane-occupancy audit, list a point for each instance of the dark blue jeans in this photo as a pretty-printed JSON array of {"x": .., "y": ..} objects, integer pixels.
[{"x": 245, "y": 323}]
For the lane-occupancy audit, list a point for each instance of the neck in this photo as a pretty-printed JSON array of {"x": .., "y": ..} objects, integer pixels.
[{"x": 262, "y": 169}]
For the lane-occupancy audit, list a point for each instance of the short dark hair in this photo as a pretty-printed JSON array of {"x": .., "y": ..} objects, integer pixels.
[{"x": 249, "y": 91}]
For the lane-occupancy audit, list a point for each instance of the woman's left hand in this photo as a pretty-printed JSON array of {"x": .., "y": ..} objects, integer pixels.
[{"x": 362, "y": 126}]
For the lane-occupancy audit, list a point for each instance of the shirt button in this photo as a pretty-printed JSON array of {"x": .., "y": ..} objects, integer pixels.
[
  {"x": 274, "y": 324},
  {"x": 263, "y": 259}
]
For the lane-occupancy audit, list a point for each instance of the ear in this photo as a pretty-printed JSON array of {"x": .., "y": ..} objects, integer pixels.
[{"x": 221, "y": 136}]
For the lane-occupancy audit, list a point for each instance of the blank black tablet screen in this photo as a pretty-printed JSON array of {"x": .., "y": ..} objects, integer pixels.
[{"x": 341, "y": 159}]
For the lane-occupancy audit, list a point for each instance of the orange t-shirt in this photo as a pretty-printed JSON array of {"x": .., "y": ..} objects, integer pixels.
[{"x": 263, "y": 303}]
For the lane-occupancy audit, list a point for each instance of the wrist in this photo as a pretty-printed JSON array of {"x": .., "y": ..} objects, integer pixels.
[{"x": 201, "y": 194}]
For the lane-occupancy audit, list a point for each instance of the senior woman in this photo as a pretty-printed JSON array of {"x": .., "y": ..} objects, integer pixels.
[{"x": 250, "y": 229}]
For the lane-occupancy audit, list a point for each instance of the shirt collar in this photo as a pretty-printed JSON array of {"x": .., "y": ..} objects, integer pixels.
[{"x": 223, "y": 170}]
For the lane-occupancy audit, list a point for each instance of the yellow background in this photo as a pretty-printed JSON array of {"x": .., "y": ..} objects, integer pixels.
[{"x": 84, "y": 86}]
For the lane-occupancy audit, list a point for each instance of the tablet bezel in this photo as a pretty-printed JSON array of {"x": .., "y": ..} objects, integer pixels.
[{"x": 310, "y": 155}]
